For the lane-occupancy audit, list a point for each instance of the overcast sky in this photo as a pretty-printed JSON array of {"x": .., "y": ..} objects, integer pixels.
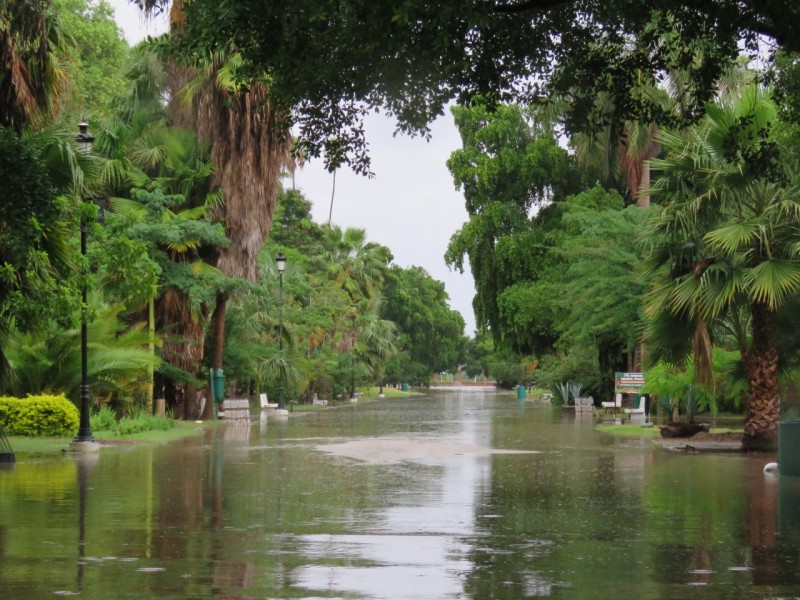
[{"x": 410, "y": 206}]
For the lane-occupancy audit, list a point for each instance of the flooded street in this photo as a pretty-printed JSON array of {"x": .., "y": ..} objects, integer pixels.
[{"x": 457, "y": 494}]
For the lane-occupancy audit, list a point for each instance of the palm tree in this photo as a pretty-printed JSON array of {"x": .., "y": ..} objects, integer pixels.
[
  {"x": 48, "y": 360},
  {"x": 250, "y": 144},
  {"x": 379, "y": 341},
  {"x": 727, "y": 237},
  {"x": 32, "y": 80},
  {"x": 357, "y": 266},
  {"x": 618, "y": 153}
]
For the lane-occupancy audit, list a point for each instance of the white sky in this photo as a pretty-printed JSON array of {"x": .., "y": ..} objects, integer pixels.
[{"x": 410, "y": 206}]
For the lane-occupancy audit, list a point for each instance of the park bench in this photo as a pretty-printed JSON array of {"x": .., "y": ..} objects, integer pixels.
[{"x": 235, "y": 409}]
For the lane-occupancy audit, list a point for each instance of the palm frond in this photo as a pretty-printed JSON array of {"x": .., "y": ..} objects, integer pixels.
[{"x": 773, "y": 281}]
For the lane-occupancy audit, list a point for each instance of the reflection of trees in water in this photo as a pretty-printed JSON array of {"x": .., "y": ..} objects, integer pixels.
[
  {"x": 586, "y": 519},
  {"x": 776, "y": 555},
  {"x": 723, "y": 525},
  {"x": 556, "y": 515}
]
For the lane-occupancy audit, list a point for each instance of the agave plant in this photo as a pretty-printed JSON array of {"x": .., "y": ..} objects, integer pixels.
[{"x": 568, "y": 391}]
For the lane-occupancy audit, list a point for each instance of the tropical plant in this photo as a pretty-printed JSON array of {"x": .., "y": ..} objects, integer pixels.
[
  {"x": 430, "y": 332},
  {"x": 509, "y": 167},
  {"x": 157, "y": 244},
  {"x": 37, "y": 260},
  {"x": 31, "y": 52},
  {"x": 726, "y": 239},
  {"x": 357, "y": 266},
  {"x": 567, "y": 392},
  {"x": 378, "y": 341},
  {"x": 95, "y": 58},
  {"x": 49, "y": 359}
]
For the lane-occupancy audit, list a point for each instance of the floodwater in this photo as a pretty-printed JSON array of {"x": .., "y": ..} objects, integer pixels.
[{"x": 400, "y": 499}]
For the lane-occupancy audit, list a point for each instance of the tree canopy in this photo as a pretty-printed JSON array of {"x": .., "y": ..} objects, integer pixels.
[{"x": 331, "y": 62}]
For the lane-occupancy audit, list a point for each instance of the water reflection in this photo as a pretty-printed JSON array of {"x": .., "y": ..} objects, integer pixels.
[
  {"x": 416, "y": 544},
  {"x": 260, "y": 512},
  {"x": 84, "y": 463}
]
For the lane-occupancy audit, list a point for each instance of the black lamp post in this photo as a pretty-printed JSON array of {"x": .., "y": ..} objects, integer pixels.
[
  {"x": 281, "y": 260},
  {"x": 84, "y": 140}
]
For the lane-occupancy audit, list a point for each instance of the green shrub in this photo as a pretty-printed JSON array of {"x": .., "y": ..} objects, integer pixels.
[
  {"x": 142, "y": 421},
  {"x": 137, "y": 422},
  {"x": 39, "y": 416},
  {"x": 103, "y": 420}
]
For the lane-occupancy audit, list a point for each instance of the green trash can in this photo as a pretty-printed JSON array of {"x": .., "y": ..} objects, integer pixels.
[
  {"x": 789, "y": 448},
  {"x": 218, "y": 385},
  {"x": 520, "y": 392},
  {"x": 403, "y": 387}
]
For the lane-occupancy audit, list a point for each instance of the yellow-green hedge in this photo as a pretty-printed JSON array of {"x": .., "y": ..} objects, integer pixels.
[{"x": 39, "y": 416}]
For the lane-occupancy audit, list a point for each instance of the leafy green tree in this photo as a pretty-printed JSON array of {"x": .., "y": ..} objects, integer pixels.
[
  {"x": 579, "y": 315},
  {"x": 604, "y": 282},
  {"x": 509, "y": 166},
  {"x": 430, "y": 331},
  {"x": 294, "y": 227},
  {"x": 96, "y": 58},
  {"x": 726, "y": 239},
  {"x": 169, "y": 242},
  {"x": 36, "y": 258},
  {"x": 331, "y": 63}
]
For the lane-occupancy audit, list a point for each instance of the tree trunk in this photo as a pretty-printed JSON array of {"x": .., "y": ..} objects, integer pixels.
[
  {"x": 151, "y": 348},
  {"x": 333, "y": 193},
  {"x": 642, "y": 197},
  {"x": 217, "y": 348},
  {"x": 761, "y": 364},
  {"x": 184, "y": 337}
]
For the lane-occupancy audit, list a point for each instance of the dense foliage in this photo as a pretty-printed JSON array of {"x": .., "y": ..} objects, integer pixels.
[
  {"x": 330, "y": 62},
  {"x": 190, "y": 145},
  {"x": 33, "y": 256}
]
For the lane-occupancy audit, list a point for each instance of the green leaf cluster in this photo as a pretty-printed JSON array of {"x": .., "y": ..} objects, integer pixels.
[{"x": 35, "y": 257}]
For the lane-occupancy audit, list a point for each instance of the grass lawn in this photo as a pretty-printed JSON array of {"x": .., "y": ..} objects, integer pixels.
[
  {"x": 367, "y": 394},
  {"x": 32, "y": 446},
  {"x": 627, "y": 430},
  {"x": 372, "y": 392},
  {"x": 38, "y": 446},
  {"x": 636, "y": 430}
]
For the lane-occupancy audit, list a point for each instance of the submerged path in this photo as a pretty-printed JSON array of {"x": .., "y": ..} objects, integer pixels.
[{"x": 456, "y": 494}]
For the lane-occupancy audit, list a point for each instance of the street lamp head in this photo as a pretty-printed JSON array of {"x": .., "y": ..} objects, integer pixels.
[
  {"x": 84, "y": 138},
  {"x": 281, "y": 260}
]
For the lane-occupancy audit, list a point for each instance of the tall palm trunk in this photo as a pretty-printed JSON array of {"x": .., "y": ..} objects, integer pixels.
[
  {"x": 761, "y": 364},
  {"x": 250, "y": 144}
]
